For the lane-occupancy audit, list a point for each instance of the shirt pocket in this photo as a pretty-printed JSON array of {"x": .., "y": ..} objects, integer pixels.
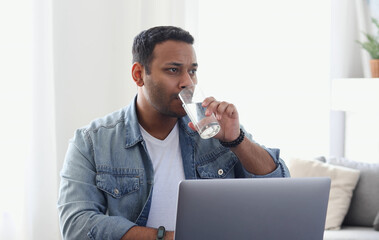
[
  {"x": 117, "y": 185},
  {"x": 216, "y": 165}
]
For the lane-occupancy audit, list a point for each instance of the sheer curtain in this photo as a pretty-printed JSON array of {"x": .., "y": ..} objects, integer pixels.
[
  {"x": 30, "y": 174},
  {"x": 41, "y": 219},
  {"x": 16, "y": 47}
]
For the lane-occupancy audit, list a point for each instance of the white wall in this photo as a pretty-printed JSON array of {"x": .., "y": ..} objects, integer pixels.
[
  {"x": 357, "y": 98},
  {"x": 271, "y": 58},
  {"x": 92, "y": 59}
]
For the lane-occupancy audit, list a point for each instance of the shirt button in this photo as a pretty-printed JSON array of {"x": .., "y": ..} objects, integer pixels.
[
  {"x": 116, "y": 191},
  {"x": 220, "y": 172}
]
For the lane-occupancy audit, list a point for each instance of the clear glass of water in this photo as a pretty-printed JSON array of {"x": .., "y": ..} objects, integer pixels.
[{"x": 192, "y": 98}]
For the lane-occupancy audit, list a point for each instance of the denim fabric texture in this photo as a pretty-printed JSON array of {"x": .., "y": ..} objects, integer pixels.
[{"x": 107, "y": 176}]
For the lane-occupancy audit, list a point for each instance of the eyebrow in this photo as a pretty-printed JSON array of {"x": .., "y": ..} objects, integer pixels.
[{"x": 180, "y": 64}]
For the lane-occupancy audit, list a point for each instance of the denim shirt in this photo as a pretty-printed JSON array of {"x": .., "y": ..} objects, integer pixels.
[{"x": 107, "y": 177}]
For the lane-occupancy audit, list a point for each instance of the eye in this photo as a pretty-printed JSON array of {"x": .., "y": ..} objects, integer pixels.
[
  {"x": 192, "y": 71},
  {"x": 173, "y": 70}
]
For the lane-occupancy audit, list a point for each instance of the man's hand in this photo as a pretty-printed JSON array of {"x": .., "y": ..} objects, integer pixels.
[
  {"x": 253, "y": 157},
  {"x": 226, "y": 114}
]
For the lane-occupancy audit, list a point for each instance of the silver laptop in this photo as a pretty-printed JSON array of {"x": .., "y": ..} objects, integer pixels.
[{"x": 258, "y": 209}]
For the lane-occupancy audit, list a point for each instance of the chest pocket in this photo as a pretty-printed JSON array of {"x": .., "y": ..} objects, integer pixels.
[
  {"x": 216, "y": 165},
  {"x": 120, "y": 182}
]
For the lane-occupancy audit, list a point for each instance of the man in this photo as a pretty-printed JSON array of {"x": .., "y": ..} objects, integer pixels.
[{"x": 121, "y": 173}]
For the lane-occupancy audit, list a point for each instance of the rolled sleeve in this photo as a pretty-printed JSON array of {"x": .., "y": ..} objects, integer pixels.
[
  {"x": 281, "y": 168},
  {"x": 110, "y": 228}
]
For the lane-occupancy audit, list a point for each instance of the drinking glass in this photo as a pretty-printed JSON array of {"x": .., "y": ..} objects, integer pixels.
[{"x": 192, "y": 98}]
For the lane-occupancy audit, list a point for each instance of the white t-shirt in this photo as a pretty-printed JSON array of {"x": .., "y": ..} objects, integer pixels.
[{"x": 168, "y": 172}]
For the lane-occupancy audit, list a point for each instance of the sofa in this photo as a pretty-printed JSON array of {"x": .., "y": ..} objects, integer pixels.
[{"x": 353, "y": 208}]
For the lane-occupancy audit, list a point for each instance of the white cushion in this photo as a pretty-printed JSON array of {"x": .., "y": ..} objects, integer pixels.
[{"x": 343, "y": 183}]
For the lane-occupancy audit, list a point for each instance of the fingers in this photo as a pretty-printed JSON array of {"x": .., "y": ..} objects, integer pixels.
[{"x": 219, "y": 108}]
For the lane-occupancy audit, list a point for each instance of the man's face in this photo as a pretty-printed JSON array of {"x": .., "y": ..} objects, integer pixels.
[{"x": 173, "y": 67}]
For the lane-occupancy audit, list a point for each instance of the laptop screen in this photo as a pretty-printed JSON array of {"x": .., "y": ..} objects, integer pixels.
[{"x": 265, "y": 208}]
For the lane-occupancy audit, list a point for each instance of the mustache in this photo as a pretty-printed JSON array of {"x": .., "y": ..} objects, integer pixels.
[{"x": 175, "y": 96}]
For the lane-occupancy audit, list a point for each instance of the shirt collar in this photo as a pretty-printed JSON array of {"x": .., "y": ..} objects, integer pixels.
[{"x": 133, "y": 132}]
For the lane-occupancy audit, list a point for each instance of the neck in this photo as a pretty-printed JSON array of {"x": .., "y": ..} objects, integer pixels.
[{"x": 156, "y": 124}]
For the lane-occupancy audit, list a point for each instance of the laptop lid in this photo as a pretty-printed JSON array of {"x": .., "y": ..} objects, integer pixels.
[{"x": 259, "y": 209}]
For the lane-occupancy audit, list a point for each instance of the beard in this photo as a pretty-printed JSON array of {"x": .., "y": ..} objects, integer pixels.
[{"x": 163, "y": 102}]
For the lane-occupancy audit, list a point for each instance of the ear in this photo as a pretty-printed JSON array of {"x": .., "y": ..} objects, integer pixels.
[{"x": 137, "y": 74}]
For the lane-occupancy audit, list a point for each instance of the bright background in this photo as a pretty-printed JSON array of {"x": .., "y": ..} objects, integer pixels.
[{"x": 64, "y": 63}]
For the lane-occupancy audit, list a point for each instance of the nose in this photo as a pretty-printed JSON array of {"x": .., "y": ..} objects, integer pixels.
[{"x": 187, "y": 80}]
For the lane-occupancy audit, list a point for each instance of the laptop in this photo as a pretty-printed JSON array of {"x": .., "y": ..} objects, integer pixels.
[{"x": 258, "y": 209}]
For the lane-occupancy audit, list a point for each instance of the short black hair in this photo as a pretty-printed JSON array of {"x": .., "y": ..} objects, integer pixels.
[{"x": 144, "y": 43}]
